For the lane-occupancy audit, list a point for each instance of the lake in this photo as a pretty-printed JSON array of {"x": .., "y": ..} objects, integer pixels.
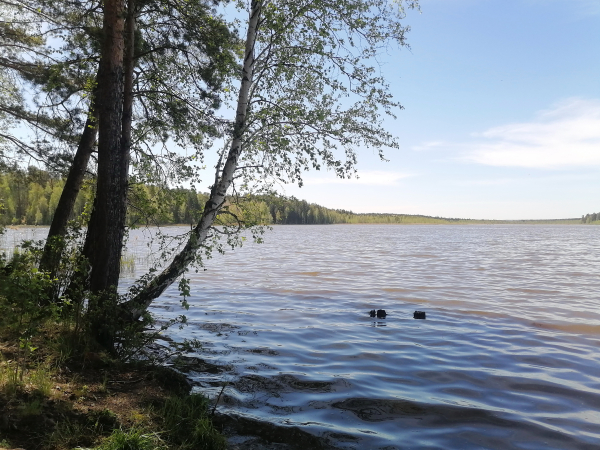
[{"x": 508, "y": 356}]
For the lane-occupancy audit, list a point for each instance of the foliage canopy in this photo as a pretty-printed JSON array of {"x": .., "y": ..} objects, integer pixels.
[{"x": 150, "y": 75}]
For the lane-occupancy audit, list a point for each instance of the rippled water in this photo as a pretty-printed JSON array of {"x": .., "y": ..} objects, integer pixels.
[{"x": 507, "y": 357}]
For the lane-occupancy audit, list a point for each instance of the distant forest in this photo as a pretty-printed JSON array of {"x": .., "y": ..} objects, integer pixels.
[
  {"x": 29, "y": 197},
  {"x": 593, "y": 218}
]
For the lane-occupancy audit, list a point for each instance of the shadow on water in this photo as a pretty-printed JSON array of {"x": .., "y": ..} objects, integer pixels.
[
  {"x": 293, "y": 436},
  {"x": 406, "y": 423},
  {"x": 458, "y": 427}
]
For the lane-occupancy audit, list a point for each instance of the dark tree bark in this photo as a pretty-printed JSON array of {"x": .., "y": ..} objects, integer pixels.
[
  {"x": 129, "y": 65},
  {"x": 64, "y": 209},
  {"x": 104, "y": 239}
]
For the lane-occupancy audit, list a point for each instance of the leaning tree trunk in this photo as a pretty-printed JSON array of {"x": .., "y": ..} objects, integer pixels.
[
  {"x": 58, "y": 228},
  {"x": 135, "y": 307}
]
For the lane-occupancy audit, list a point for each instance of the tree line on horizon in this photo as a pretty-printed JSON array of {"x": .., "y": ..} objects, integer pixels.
[
  {"x": 30, "y": 197},
  {"x": 591, "y": 218}
]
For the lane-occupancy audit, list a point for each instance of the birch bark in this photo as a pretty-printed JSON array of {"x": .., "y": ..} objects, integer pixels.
[{"x": 182, "y": 260}]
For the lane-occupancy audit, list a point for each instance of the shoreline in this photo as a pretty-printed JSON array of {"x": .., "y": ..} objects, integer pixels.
[
  {"x": 82, "y": 404},
  {"x": 459, "y": 222}
]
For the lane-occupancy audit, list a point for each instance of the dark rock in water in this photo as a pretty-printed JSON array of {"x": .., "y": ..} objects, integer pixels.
[
  {"x": 419, "y": 315},
  {"x": 381, "y": 314},
  {"x": 372, "y": 313}
]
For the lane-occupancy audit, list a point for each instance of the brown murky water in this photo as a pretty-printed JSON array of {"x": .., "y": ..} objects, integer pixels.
[{"x": 508, "y": 356}]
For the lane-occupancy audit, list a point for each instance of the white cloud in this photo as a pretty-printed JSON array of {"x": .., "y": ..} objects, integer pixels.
[
  {"x": 429, "y": 146},
  {"x": 566, "y": 136},
  {"x": 372, "y": 178}
]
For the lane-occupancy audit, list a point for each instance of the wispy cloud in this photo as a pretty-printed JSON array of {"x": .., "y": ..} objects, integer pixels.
[
  {"x": 431, "y": 145},
  {"x": 591, "y": 7},
  {"x": 373, "y": 178},
  {"x": 541, "y": 177},
  {"x": 565, "y": 136},
  {"x": 581, "y": 8}
]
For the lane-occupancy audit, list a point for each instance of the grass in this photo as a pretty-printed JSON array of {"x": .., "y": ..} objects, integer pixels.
[
  {"x": 9, "y": 378},
  {"x": 125, "y": 408},
  {"x": 60, "y": 391},
  {"x": 32, "y": 408},
  {"x": 68, "y": 435},
  {"x": 132, "y": 439},
  {"x": 89, "y": 401},
  {"x": 127, "y": 263},
  {"x": 186, "y": 420},
  {"x": 13, "y": 380},
  {"x": 41, "y": 379}
]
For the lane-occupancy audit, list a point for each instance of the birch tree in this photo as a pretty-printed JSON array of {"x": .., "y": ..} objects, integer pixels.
[{"x": 310, "y": 96}]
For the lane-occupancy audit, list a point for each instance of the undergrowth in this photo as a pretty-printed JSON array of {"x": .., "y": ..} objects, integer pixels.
[
  {"x": 61, "y": 390},
  {"x": 186, "y": 420}
]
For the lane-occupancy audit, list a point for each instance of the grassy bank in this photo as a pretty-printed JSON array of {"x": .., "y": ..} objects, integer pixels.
[
  {"x": 93, "y": 401},
  {"x": 60, "y": 389}
]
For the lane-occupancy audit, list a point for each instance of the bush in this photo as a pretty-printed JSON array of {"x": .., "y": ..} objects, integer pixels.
[{"x": 24, "y": 306}]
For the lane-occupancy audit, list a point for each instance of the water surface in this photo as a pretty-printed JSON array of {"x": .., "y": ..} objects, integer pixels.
[{"x": 507, "y": 357}]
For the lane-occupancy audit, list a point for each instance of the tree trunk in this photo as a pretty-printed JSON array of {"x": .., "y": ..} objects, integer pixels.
[
  {"x": 128, "y": 65},
  {"x": 64, "y": 209},
  {"x": 104, "y": 239},
  {"x": 136, "y": 307}
]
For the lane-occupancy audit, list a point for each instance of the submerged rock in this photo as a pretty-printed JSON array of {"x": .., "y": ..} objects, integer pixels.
[
  {"x": 245, "y": 433},
  {"x": 380, "y": 313}
]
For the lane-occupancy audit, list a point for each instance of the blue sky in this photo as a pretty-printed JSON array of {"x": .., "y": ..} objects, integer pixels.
[{"x": 501, "y": 118}]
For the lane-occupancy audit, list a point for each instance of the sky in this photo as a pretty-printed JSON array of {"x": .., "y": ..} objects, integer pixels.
[{"x": 501, "y": 116}]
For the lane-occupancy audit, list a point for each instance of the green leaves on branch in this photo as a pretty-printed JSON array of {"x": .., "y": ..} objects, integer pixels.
[{"x": 318, "y": 95}]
